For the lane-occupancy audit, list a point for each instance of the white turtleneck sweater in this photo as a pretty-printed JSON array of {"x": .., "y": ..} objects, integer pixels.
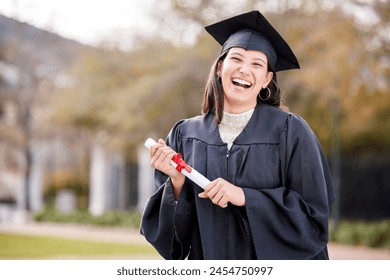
[{"x": 232, "y": 125}]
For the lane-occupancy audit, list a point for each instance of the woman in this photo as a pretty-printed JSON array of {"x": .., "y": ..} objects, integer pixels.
[{"x": 270, "y": 189}]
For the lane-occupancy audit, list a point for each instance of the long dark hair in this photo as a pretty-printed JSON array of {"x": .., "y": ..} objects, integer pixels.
[{"x": 213, "y": 97}]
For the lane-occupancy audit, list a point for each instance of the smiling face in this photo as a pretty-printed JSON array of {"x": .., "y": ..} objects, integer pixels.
[{"x": 243, "y": 73}]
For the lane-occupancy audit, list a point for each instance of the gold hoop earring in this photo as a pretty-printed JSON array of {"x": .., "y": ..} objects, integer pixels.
[{"x": 268, "y": 95}]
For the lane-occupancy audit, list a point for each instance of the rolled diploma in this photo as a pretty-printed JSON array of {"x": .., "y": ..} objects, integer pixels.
[{"x": 194, "y": 175}]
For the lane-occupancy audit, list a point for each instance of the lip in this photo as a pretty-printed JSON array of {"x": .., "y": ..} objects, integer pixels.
[{"x": 242, "y": 83}]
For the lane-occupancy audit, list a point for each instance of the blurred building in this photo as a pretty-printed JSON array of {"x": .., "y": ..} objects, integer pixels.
[{"x": 39, "y": 162}]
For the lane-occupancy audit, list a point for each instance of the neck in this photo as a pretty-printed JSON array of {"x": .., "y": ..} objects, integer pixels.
[{"x": 237, "y": 109}]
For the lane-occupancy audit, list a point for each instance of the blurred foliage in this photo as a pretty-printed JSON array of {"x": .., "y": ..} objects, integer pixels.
[
  {"x": 67, "y": 180},
  {"x": 129, "y": 95},
  {"x": 129, "y": 219},
  {"x": 369, "y": 234}
]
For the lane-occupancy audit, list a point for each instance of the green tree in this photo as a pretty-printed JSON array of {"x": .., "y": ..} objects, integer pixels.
[{"x": 144, "y": 91}]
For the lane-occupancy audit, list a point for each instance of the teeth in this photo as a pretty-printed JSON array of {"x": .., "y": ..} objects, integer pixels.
[{"x": 242, "y": 82}]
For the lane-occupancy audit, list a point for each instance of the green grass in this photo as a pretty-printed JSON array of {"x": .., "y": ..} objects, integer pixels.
[
  {"x": 370, "y": 234},
  {"x": 15, "y": 246},
  {"x": 129, "y": 219}
]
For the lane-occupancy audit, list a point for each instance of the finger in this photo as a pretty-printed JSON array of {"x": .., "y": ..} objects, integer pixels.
[
  {"x": 208, "y": 192},
  {"x": 211, "y": 190},
  {"x": 157, "y": 145},
  {"x": 223, "y": 203},
  {"x": 216, "y": 198},
  {"x": 209, "y": 186},
  {"x": 168, "y": 154},
  {"x": 202, "y": 195},
  {"x": 154, "y": 148},
  {"x": 155, "y": 155},
  {"x": 163, "y": 159},
  {"x": 159, "y": 159}
]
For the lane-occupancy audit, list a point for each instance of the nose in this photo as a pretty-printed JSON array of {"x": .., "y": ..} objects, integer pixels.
[{"x": 244, "y": 69}]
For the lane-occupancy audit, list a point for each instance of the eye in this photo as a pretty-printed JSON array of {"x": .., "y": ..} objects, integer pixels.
[
  {"x": 258, "y": 65},
  {"x": 236, "y": 58}
]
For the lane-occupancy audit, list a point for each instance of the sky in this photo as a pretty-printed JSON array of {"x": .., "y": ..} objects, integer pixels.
[
  {"x": 87, "y": 21},
  {"x": 93, "y": 21}
]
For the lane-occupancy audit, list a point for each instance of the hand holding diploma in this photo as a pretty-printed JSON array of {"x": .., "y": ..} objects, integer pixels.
[
  {"x": 219, "y": 191},
  {"x": 180, "y": 165}
]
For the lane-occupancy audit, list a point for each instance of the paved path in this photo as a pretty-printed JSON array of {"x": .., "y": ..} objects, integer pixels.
[{"x": 124, "y": 235}]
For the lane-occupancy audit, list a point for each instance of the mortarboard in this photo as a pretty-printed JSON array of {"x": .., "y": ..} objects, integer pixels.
[{"x": 252, "y": 31}]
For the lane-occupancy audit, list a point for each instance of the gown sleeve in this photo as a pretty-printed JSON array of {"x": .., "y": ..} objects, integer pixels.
[
  {"x": 291, "y": 221},
  {"x": 167, "y": 224}
]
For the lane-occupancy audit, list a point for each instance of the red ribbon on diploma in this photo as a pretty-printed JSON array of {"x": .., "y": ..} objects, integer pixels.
[{"x": 181, "y": 164}]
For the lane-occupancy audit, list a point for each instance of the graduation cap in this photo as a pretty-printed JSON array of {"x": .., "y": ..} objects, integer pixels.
[{"x": 252, "y": 31}]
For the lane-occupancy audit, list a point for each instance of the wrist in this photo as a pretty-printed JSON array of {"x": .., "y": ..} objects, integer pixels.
[
  {"x": 177, "y": 184},
  {"x": 178, "y": 181}
]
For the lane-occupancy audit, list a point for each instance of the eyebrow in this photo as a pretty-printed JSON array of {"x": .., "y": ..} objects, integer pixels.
[{"x": 236, "y": 53}]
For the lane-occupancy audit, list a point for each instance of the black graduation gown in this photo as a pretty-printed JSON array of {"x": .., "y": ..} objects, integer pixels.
[{"x": 280, "y": 165}]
